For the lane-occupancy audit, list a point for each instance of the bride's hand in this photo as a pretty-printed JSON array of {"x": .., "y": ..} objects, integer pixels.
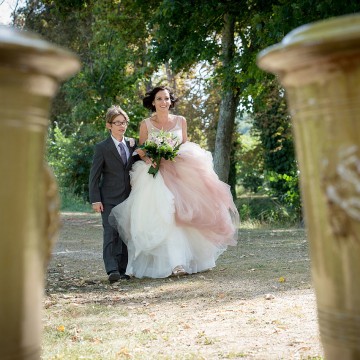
[
  {"x": 147, "y": 160},
  {"x": 153, "y": 163},
  {"x": 141, "y": 152}
]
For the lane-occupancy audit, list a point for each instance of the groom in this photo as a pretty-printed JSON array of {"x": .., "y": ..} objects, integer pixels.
[{"x": 109, "y": 185}]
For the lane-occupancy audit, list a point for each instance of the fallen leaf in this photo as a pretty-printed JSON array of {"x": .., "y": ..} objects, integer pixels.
[
  {"x": 96, "y": 340},
  {"x": 124, "y": 352},
  {"x": 269, "y": 296},
  {"x": 61, "y": 328}
]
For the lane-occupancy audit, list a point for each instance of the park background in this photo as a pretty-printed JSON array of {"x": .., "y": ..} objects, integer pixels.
[
  {"x": 258, "y": 303},
  {"x": 205, "y": 50}
]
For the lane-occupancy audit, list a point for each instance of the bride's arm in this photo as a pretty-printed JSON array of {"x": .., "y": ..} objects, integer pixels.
[
  {"x": 143, "y": 132},
  {"x": 142, "y": 138}
]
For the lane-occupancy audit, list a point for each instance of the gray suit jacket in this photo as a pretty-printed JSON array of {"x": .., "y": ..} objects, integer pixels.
[{"x": 109, "y": 180}]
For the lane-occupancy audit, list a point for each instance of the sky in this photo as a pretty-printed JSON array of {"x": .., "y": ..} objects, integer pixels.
[{"x": 6, "y": 8}]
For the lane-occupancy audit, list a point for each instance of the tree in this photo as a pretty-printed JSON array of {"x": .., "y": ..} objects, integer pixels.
[
  {"x": 271, "y": 118},
  {"x": 114, "y": 67},
  {"x": 229, "y": 101},
  {"x": 125, "y": 45},
  {"x": 188, "y": 32}
]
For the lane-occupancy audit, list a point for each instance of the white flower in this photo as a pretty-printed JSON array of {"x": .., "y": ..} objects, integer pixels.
[{"x": 161, "y": 145}]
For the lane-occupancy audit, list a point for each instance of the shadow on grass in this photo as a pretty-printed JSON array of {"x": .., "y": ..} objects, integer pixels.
[{"x": 263, "y": 262}]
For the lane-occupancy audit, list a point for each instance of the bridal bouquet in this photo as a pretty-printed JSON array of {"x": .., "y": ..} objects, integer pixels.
[{"x": 159, "y": 145}]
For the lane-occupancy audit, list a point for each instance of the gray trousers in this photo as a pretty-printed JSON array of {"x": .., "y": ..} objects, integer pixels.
[{"x": 114, "y": 249}]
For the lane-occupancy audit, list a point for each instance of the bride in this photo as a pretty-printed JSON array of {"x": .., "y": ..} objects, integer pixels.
[{"x": 179, "y": 221}]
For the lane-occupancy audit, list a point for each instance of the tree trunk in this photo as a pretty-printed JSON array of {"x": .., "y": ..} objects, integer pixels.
[{"x": 228, "y": 105}]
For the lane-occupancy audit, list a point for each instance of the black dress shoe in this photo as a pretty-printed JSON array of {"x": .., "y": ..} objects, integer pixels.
[
  {"x": 124, "y": 277},
  {"x": 114, "y": 276}
]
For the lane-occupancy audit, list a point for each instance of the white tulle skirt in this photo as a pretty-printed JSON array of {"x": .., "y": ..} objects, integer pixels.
[{"x": 183, "y": 216}]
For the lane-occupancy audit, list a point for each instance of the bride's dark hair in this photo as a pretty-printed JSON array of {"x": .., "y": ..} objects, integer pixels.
[{"x": 150, "y": 96}]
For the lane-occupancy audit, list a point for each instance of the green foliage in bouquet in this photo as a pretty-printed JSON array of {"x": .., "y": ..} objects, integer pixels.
[{"x": 160, "y": 145}]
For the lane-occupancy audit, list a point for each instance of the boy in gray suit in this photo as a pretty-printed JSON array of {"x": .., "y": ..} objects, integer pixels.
[{"x": 109, "y": 185}]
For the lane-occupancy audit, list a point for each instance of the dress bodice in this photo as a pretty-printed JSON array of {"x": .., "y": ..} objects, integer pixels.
[{"x": 176, "y": 130}]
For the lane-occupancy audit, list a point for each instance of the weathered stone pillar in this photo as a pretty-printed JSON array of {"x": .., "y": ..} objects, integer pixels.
[
  {"x": 319, "y": 67},
  {"x": 30, "y": 72}
]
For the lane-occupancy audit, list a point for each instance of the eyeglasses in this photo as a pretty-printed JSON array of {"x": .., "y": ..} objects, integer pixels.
[{"x": 118, "y": 123}]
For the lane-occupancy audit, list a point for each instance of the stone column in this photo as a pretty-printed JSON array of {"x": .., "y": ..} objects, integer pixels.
[
  {"x": 319, "y": 66},
  {"x": 30, "y": 72}
]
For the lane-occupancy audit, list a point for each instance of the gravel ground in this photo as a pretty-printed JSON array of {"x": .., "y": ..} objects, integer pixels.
[{"x": 258, "y": 303}]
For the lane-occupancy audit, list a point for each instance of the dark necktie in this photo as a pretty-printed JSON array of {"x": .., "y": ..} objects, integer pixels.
[{"x": 123, "y": 153}]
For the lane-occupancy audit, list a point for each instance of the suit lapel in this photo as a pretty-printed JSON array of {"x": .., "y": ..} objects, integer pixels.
[
  {"x": 112, "y": 148},
  {"x": 128, "y": 146}
]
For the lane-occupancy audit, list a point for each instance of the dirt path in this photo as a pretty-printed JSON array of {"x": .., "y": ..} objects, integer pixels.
[{"x": 258, "y": 303}]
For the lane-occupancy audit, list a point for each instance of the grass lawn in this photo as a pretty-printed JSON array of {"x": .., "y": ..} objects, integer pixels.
[{"x": 258, "y": 303}]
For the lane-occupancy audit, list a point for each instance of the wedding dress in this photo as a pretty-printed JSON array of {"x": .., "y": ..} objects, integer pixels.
[{"x": 183, "y": 216}]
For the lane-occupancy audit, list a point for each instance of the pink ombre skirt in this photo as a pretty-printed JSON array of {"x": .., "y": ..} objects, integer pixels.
[{"x": 183, "y": 216}]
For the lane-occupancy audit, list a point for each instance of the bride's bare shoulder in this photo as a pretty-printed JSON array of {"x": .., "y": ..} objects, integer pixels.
[
  {"x": 145, "y": 121},
  {"x": 173, "y": 116},
  {"x": 180, "y": 118}
]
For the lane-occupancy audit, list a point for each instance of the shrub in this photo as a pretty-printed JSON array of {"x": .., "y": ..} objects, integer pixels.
[{"x": 70, "y": 157}]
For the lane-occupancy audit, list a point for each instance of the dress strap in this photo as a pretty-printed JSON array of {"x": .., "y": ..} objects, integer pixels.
[{"x": 149, "y": 126}]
